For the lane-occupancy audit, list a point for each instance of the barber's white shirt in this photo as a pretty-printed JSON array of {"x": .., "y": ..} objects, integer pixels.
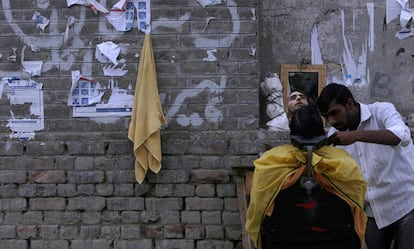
[{"x": 388, "y": 170}]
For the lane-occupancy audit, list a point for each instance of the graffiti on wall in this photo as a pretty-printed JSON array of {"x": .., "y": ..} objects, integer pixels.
[
  {"x": 211, "y": 113},
  {"x": 63, "y": 53}
]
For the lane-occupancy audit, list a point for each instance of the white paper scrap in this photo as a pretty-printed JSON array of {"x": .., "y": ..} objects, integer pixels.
[
  {"x": 315, "y": 48},
  {"x": 34, "y": 68},
  {"x": 210, "y": 55},
  {"x": 13, "y": 57},
  {"x": 114, "y": 70},
  {"x": 204, "y": 3},
  {"x": 108, "y": 49},
  {"x": 393, "y": 9},
  {"x": 41, "y": 21},
  {"x": 122, "y": 15},
  {"x": 94, "y": 5}
]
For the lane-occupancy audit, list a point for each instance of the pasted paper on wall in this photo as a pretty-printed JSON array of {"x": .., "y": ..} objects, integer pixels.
[
  {"x": 204, "y": 3},
  {"x": 41, "y": 21},
  {"x": 84, "y": 91},
  {"x": 114, "y": 70},
  {"x": 20, "y": 92},
  {"x": 34, "y": 68},
  {"x": 400, "y": 8},
  {"x": 94, "y": 5},
  {"x": 122, "y": 15},
  {"x": 393, "y": 9},
  {"x": 144, "y": 15},
  {"x": 356, "y": 68},
  {"x": 13, "y": 57},
  {"x": 86, "y": 98},
  {"x": 107, "y": 51},
  {"x": 407, "y": 28},
  {"x": 210, "y": 55},
  {"x": 315, "y": 48},
  {"x": 119, "y": 105}
]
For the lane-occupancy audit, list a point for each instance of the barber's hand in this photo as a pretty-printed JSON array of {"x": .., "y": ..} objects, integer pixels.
[{"x": 341, "y": 138}]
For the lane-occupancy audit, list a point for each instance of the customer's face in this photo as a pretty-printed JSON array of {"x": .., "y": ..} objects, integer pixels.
[{"x": 296, "y": 100}]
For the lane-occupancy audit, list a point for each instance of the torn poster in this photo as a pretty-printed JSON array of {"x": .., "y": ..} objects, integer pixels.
[
  {"x": 210, "y": 55},
  {"x": 122, "y": 15},
  {"x": 84, "y": 91},
  {"x": 114, "y": 70},
  {"x": 393, "y": 9},
  {"x": 41, "y": 21},
  {"x": 20, "y": 92},
  {"x": 204, "y": 3},
  {"x": 119, "y": 105},
  {"x": 94, "y": 5},
  {"x": 86, "y": 97},
  {"x": 252, "y": 51},
  {"x": 406, "y": 23},
  {"x": 107, "y": 51},
  {"x": 34, "y": 68},
  {"x": 315, "y": 47},
  {"x": 13, "y": 57},
  {"x": 144, "y": 15}
]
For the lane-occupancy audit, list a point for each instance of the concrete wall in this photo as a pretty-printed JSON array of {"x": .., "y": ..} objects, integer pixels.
[
  {"x": 72, "y": 185},
  {"x": 350, "y": 34}
]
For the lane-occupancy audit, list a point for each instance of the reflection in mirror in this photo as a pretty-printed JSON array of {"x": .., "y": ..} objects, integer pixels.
[
  {"x": 308, "y": 79},
  {"x": 305, "y": 82}
]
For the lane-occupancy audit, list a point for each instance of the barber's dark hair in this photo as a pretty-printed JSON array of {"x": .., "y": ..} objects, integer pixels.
[
  {"x": 306, "y": 122},
  {"x": 333, "y": 91}
]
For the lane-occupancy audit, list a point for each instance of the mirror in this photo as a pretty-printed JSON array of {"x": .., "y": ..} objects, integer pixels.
[{"x": 310, "y": 79}]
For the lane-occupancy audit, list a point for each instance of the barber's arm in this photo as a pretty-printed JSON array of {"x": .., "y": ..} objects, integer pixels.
[
  {"x": 385, "y": 137},
  {"x": 394, "y": 131},
  {"x": 393, "y": 122}
]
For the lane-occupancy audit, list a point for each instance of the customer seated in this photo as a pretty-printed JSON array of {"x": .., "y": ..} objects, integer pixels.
[{"x": 276, "y": 187}]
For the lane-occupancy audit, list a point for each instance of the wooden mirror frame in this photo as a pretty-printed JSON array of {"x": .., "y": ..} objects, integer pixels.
[{"x": 287, "y": 70}]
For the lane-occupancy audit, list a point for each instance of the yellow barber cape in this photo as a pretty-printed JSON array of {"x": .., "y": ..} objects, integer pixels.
[
  {"x": 280, "y": 166},
  {"x": 147, "y": 116}
]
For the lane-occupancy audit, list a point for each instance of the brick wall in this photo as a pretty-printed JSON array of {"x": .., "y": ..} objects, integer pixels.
[{"x": 73, "y": 185}]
